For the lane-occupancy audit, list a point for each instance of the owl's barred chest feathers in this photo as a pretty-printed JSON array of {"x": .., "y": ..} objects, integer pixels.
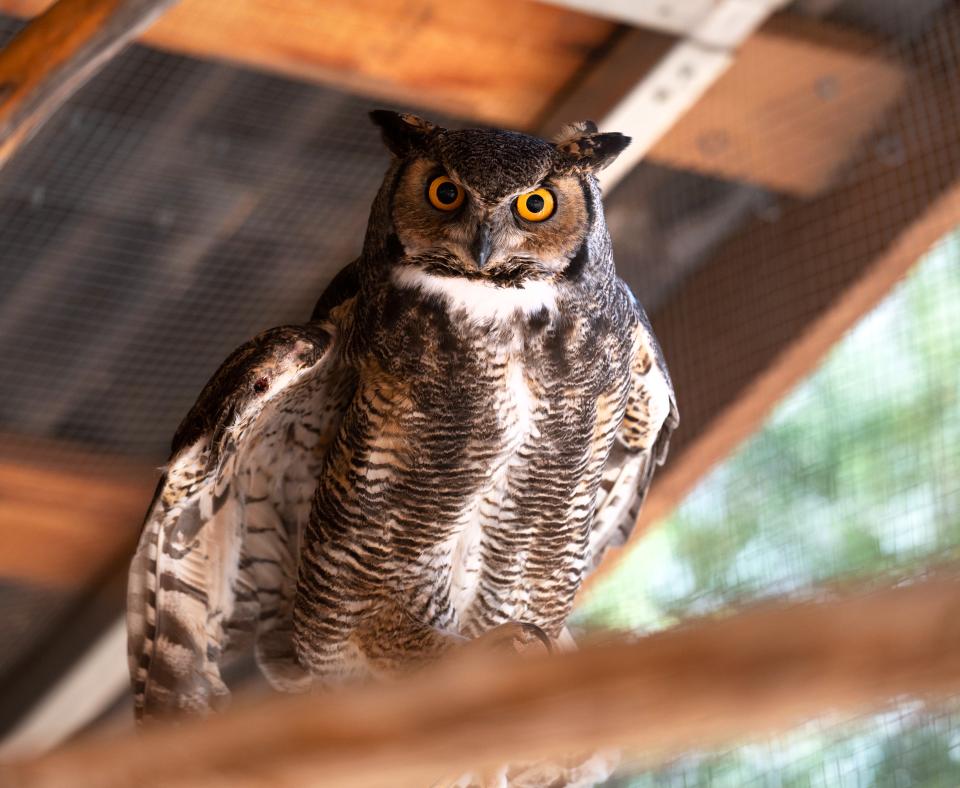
[{"x": 507, "y": 410}]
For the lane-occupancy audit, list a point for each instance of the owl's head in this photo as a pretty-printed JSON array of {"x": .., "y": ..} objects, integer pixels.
[{"x": 493, "y": 204}]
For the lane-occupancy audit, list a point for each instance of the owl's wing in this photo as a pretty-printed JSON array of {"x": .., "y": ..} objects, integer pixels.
[
  {"x": 642, "y": 444},
  {"x": 342, "y": 287},
  {"x": 216, "y": 563}
]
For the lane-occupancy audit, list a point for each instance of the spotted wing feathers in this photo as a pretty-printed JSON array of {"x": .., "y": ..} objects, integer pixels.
[
  {"x": 216, "y": 564},
  {"x": 651, "y": 417}
]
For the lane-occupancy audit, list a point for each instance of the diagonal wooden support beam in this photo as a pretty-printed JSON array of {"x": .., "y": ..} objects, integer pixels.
[
  {"x": 711, "y": 33},
  {"x": 784, "y": 108},
  {"x": 59, "y": 51},
  {"x": 791, "y": 111}
]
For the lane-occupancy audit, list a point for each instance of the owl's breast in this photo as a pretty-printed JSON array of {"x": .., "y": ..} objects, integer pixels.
[{"x": 505, "y": 426}]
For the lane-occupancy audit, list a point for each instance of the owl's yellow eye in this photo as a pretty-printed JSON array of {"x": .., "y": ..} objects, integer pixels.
[
  {"x": 536, "y": 206},
  {"x": 444, "y": 194}
]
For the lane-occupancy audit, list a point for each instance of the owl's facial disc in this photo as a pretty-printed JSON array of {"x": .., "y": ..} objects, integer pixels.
[{"x": 449, "y": 223}]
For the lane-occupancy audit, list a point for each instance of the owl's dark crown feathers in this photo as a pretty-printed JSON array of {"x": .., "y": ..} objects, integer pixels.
[{"x": 497, "y": 162}]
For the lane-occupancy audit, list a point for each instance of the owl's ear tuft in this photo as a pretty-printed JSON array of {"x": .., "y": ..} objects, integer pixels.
[
  {"x": 584, "y": 148},
  {"x": 402, "y": 132}
]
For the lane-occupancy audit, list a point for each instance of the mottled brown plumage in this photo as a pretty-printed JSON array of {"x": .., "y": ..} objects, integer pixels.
[{"x": 472, "y": 416}]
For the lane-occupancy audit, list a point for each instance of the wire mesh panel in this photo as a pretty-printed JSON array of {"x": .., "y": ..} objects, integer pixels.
[
  {"x": 856, "y": 472},
  {"x": 909, "y": 746}
]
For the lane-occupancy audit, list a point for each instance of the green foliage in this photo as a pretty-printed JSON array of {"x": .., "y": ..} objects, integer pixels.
[{"x": 857, "y": 472}]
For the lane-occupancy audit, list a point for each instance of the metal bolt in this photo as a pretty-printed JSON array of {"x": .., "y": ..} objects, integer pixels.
[
  {"x": 890, "y": 150},
  {"x": 827, "y": 87},
  {"x": 714, "y": 142}
]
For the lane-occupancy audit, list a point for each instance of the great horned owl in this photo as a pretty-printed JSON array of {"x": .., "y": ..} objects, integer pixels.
[{"x": 470, "y": 418}]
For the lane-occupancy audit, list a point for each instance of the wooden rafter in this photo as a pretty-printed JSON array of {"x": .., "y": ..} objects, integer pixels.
[
  {"x": 786, "y": 111},
  {"x": 701, "y": 684},
  {"x": 56, "y": 53},
  {"x": 65, "y": 515},
  {"x": 791, "y": 111},
  {"x": 535, "y": 66},
  {"x": 499, "y": 61}
]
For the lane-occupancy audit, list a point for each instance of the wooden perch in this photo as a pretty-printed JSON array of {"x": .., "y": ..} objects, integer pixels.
[
  {"x": 59, "y": 51},
  {"x": 707, "y": 682}
]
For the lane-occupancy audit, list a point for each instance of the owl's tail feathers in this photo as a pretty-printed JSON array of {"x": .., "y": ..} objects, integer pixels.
[
  {"x": 174, "y": 612},
  {"x": 173, "y": 667}
]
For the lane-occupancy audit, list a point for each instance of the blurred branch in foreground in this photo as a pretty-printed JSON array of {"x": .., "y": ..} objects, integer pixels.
[{"x": 704, "y": 683}]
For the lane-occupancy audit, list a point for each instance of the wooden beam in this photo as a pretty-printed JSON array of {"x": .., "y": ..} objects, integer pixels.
[
  {"x": 500, "y": 61},
  {"x": 657, "y": 97},
  {"x": 791, "y": 111},
  {"x": 59, "y": 51},
  {"x": 702, "y": 684},
  {"x": 526, "y": 61},
  {"x": 754, "y": 321},
  {"x": 786, "y": 110},
  {"x": 65, "y": 515}
]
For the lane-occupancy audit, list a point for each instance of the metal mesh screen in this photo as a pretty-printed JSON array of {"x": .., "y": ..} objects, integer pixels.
[{"x": 854, "y": 473}]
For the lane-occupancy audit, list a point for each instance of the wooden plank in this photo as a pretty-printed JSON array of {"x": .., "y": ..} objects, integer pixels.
[
  {"x": 749, "y": 325},
  {"x": 791, "y": 110},
  {"x": 66, "y": 515},
  {"x": 701, "y": 684},
  {"x": 525, "y": 59},
  {"x": 58, "y": 52},
  {"x": 657, "y": 97},
  {"x": 786, "y": 111},
  {"x": 500, "y": 62}
]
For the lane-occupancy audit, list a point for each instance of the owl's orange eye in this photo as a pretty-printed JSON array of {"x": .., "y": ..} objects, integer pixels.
[
  {"x": 536, "y": 206},
  {"x": 444, "y": 194}
]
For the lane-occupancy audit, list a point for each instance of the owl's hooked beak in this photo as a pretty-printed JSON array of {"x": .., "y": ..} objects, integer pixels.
[{"x": 482, "y": 244}]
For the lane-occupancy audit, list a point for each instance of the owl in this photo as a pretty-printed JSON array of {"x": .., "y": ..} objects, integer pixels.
[{"x": 440, "y": 455}]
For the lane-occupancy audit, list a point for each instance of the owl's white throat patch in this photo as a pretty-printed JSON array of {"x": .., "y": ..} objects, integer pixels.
[{"x": 481, "y": 301}]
